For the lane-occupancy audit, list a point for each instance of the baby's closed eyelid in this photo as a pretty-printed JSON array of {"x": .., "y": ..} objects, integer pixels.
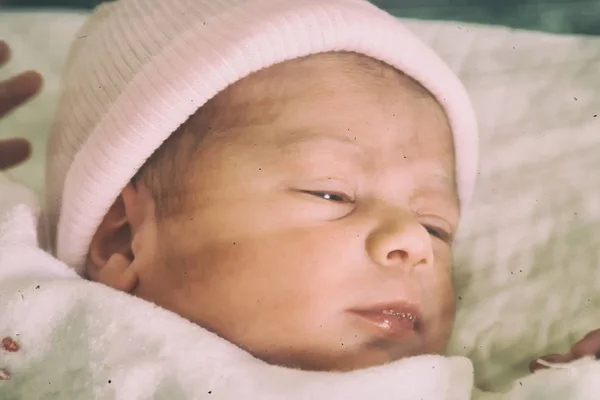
[
  {"x": 438, "y": 225},
  {"x": 326, "y": 185}
]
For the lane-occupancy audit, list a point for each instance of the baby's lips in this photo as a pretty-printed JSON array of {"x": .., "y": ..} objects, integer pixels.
[{"x": 551, "y": 358}]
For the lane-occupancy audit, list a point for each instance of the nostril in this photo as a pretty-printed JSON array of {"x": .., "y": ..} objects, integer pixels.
[{"x": 397, "y": 255}]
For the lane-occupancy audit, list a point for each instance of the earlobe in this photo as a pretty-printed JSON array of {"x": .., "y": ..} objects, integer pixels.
[
  {"x": 110, "y": 254},
  {"x": 116, "y": 273}
]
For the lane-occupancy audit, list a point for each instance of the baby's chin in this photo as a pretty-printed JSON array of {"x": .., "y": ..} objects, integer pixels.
[
  {"x": 341, "y": 360},
  {"x": 359, "y": 349}
]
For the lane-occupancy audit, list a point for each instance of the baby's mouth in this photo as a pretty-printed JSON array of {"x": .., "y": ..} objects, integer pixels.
[
  {"x": 402, "y": 316},
  {"x": 399, "y": 321}
]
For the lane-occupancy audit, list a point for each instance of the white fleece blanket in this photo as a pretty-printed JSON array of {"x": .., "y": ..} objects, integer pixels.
[{"x": 81, "y": 340}]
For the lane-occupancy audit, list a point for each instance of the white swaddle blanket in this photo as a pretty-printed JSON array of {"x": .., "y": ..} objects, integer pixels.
[{"x": 82, "y": 340}]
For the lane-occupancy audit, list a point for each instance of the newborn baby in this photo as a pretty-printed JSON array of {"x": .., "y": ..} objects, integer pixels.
[{"x": 305, "y": 205}]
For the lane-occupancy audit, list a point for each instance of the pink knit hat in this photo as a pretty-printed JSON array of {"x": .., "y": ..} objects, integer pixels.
[{"x": 139, "y": 68}]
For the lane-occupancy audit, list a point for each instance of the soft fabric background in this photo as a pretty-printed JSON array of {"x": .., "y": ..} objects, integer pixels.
[
  {"x": 528, "y": 260},
  {"x": 564, "y": 16}
]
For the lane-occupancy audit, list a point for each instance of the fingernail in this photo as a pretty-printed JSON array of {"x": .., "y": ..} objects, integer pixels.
[{"x": 546, "y": 361}]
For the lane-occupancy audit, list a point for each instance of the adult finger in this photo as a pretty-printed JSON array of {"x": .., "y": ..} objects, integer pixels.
[
  {"x": 13, "y": 152},
  {"x": 4, "y": 52},
  {"x": 17, "y": 90},
  {"x": 588, "y": 346}
]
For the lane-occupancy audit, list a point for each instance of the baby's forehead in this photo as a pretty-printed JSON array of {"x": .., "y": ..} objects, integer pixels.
[
  {"x": 345, "y": 95},
  {"x": 264, "y": 92}
]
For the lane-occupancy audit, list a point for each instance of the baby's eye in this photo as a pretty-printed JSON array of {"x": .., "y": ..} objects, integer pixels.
[
  {"x": 439, "y": 233},
  {"x": 335, "y": 197}
]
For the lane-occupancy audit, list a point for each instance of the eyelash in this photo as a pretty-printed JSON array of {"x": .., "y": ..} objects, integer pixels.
[
  {"x": 332, "y": 196},
  {"x": 439, "y": 233}
]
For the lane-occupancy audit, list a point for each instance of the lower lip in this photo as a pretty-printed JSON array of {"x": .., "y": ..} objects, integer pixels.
[{"x": 398, "y": 328}]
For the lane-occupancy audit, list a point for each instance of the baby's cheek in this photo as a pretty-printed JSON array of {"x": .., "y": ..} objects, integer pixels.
[
  {"x": 438, "y": 294},
  {"x": 443, "y": 300},
  {"x": 441, "y": 273}
]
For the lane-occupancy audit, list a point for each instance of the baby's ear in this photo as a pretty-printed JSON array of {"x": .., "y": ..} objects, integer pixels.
[{"x": 110, "y": 254}]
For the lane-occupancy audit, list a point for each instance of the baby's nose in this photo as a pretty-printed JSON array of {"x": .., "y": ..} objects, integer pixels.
[{"x": 403, "y": 242}]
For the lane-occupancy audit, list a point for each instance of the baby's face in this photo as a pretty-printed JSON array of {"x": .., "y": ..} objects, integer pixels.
[{"x": 318, "y": 226}]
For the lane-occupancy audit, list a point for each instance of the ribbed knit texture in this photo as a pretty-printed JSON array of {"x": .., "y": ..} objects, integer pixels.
[{"x": 140, "y": 68}]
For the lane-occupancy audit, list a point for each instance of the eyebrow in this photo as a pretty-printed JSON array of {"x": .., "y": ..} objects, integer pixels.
[
  {"x": 299, "y": 137},
  {"x": 441, "y": 181}
]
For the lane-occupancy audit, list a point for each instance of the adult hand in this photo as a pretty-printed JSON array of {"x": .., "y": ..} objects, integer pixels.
[
  {"x": 14, "y": 92},
  {"x": 589, "y": 346}
]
